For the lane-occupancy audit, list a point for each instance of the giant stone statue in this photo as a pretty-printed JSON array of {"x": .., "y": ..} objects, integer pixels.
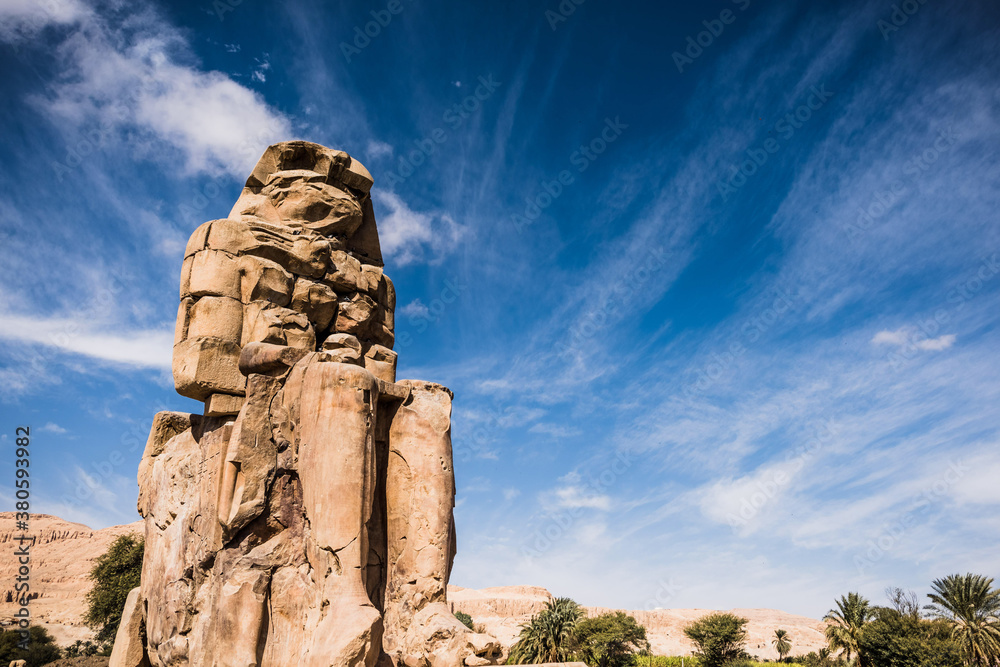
[{"x": 305, "y": 520}]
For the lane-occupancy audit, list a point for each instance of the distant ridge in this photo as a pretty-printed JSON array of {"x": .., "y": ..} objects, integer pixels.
[
  {"x": 61, "y": 560},
  {"x": 64, "y": 554}
]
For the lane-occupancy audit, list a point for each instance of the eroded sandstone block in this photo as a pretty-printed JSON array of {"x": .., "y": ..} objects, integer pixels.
[
  {"x": 420, "y": 495},
  {"x": 219, "y": 405},
  {"x": 264, "y": 280},
  {"x": 306, "y": 519},
  {"x": 211, "y": 273},
  {"x": 356, "y": 314},
  {"x": 206, "y": 366},
  {"x": 130, "y": 641},
  {"x": 317, "y": 301},
  {"x": 381, "y": 362}
]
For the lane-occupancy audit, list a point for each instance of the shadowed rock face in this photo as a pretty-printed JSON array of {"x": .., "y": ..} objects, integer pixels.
[{"x": 306, "y": 517}]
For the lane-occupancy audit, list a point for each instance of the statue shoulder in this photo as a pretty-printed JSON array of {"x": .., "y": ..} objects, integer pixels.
[{"x": 227, "y": 234}]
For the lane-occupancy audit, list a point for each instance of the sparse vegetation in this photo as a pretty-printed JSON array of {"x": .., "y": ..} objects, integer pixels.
[
  {"x": 609, "y": 640},
  {"x": 892, "y": 639},
  {"x": 548, "y": 636},
  {"x": 846, "y": 621},
  {"x": 971, "y": 607},
  {"x": 963, "y": 629},
  {"x": 83, "y": 649},
  {"x": 720, "y": 639},
  {"x": 116, "y": 573},
  {"x": 782, "y": 643},
  {"x": 465, "y": 619},
  {"x": 41, "y": 649}
]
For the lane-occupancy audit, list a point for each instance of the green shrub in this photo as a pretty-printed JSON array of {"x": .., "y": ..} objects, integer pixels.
[
  {"x": 41, "y": 649},
  {"x": 610, "y": 640},
  {"x": 720, "y": 639},
  {"x": 116, "y": 573},
  {"x": 667, "y": 661}
]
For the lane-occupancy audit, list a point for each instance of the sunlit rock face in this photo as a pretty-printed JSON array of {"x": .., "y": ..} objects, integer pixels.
[{"x": 305, "y": 519}]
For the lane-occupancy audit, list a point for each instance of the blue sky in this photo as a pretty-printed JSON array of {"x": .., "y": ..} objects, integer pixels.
[{"x": 716, "y": 285}]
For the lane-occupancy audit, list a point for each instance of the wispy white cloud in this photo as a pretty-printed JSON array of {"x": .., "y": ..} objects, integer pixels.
[
  {"x": 140, "y": 349},
  {"x": 408, "y": 236},
  {"x": 415, "y": 309},
  {"x": 24, "y": 19},
  {"x": 908, "y": 336},
  {"x": 747, "y": 469},
  {"x": 261, "y": 68},
  {"x": 127, "y": 80},
  {"x": 554, "y": 430},
  {"x": 378, "y": 149},
  {"x": 571, "y": 494},
  {"x": 574, "y": 497},
  {"x": 53, "y": 428}
]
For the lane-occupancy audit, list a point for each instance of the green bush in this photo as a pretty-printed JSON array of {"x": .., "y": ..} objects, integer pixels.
[
  {"x": 667, "y": 661},
  {"x": 116, "y": 573},
  {"x": 720, "y": 639},
  {"x": 907, "y": 641},
  {"x": 41, "y": 649},
  {"x": 610, "y": 640},
  {"x": 547, "y": 637},
  {"x": 464, "y": 618}
]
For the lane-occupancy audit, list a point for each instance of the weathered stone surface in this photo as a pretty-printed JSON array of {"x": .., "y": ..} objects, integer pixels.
[
  {"x": 387, "y": 297},
  {"x": 218, "y": 405},
  {"x": 306, "y": 518},
  {"x": 216, "y": 317},
  {"x": 317, "y": 301},
  {"x": 211, "y": 273},
  {"x": 130, "y": 641},
  {"x": 198, "y": 240},
  {"x": 165, "y": 426},
  {"x": 371, "y": 281},
  {"x": 420, "y": 496},
  {"x": 381, "y": 362},
  {"x": 304, "y": 254},
  {"x": 255, "y": 206},
  {"x": 345, "y": 273},
  {"x": 206, "y": 366},
  {"x": 232, "y": 236},
  {"x": 269, "y": 359},
  {"x": 181, "y": 328},
  {"x": 355, "y": 315},
  {"x": 302, "y": 197},
  {"x": 343, "y": 348},
  {"x": 264, "y": 280},
  {"x": 364, "y": 243},
  {"x": 268, "y": 323},
  {"x": 337, "y": 167}
]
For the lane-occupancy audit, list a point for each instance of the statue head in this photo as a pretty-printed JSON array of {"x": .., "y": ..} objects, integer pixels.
[{"x": 304, "y": 185}]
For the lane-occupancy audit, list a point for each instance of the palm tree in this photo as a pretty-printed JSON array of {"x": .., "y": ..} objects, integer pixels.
[
  {"x": 972, "y": 607},
  {"x": 781, "y": 643},
  {"x": 546, "y": 637},
  {"x": 846, "y": 621}
]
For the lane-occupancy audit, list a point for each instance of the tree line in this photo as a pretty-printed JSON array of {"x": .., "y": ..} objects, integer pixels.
[{"x": 959, "y": 627}]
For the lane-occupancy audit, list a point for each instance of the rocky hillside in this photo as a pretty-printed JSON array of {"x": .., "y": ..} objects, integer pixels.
[
  {"x": 64, "y": 554},
  {"x": 61, "y": 560}
]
